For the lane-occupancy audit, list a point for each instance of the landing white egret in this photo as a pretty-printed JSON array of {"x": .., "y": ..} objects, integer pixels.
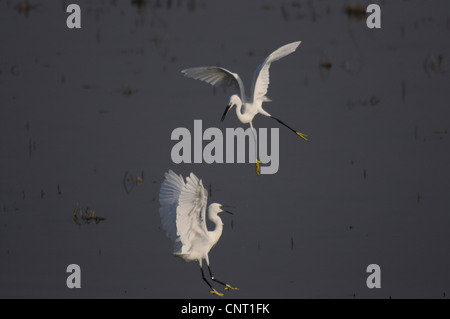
[
  {"x": 183, "y": 211},
  {"x": 246, "y": 108}
]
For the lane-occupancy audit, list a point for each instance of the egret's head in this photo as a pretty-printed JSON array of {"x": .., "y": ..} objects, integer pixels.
[{"x": 233, "y": 100}]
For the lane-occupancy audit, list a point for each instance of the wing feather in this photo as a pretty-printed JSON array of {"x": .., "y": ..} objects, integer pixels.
[
  {"x": 168, "y": 198},
  {"x": 261, "y": 77},
  {"x": 216, "y": 76},
  {"x": 183, "y": 210}
]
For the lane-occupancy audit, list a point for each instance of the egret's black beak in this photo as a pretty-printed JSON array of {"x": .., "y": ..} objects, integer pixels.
[
  {"x": 226, "y": 211},
  {"x": 226, "y": 111}
]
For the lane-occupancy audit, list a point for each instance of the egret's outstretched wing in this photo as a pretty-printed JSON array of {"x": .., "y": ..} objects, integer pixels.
[
  {"x": 191, "y": 212},
  {"x": 169, "y": 195},
  {"x": 183, "y": 210},
  {"x": 216, "y": 76},
  {"x": 261, "y": 77}
]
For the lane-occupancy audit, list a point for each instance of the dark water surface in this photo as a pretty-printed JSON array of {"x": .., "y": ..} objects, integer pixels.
[{"x": 85, "y": 112}]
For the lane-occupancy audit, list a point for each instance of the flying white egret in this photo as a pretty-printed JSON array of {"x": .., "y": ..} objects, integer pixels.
[
  {"x": 246, "y": 108},
  {"x": 183, "y": 211}
]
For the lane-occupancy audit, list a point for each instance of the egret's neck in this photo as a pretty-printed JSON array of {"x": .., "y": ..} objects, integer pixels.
[
  {"x": 238, "y": 110},
  {"x": 215, "y": 234}
]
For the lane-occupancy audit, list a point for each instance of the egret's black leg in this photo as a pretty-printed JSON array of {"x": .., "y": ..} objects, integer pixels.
[
  {"x": 213, "y": 291},
  {"x": 204, "y": 279},
  {"x": 216, "y": 280},
  {"x": 296, "y": 132},
  {"x": 220, "y": 282}
]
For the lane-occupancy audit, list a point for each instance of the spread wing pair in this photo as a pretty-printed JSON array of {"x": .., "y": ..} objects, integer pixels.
[{"x": 221, "y": 77}]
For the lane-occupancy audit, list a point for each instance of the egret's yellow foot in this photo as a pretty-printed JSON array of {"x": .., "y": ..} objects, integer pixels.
[
  {"x": 228, "y": 287},
  {"x": 214, "y": 291},
  {"x": 303, "y": 136},
  {"x": 258, "y": 170}
]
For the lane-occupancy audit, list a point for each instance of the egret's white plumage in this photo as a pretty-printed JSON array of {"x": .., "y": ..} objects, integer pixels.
[
  {"x": 222, "y": 77},
  {"x": 182, "y": 211},
  {"x": 216, "y": 76},
  {"x": 183, "y": 216},
  {"x": 246, "y": 107}
]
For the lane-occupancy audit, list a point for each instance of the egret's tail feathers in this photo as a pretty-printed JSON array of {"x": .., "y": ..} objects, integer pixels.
[
  {"x": 181, "y": 254},
  {"x": 180, "y": 250},
  {"x": 266, "y": 99},
  {"x": 263, "y": 112}
]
